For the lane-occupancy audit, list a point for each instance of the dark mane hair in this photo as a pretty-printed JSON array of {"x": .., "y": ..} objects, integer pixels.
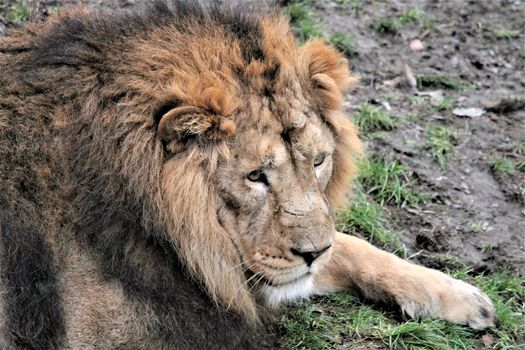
[{"x": 87, "y": 40}]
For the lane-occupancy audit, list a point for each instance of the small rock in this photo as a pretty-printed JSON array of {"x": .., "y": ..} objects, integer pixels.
[
  {"x": 471, "y": 112},
  {"x": 437, "y": 117},
  {"x": 407, "y": 80},
  {"x": 487, "y": 340},
  {"x": 411, "y": 79},
  {"x": 435, "y": 96},
  {"x": 416, "y": 45},
  {"x": 347, "y": 104},
  {"x": 386, "y": 105},
  {"x": 454, "y": 61}
]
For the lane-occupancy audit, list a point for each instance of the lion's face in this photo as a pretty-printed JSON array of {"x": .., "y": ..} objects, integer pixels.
[
  {"x": 272, "y": 198},
  {"x": 258, "y": 151}
]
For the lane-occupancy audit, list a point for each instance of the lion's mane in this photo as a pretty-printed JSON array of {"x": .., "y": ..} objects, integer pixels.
[{"x": 80, "y": 161}]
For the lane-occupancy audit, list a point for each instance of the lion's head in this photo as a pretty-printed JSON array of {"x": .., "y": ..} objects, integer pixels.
[{"x": 259, "y": 155}]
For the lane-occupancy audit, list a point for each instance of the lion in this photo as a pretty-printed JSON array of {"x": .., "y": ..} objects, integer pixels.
[{"x": 170, "y": 174}]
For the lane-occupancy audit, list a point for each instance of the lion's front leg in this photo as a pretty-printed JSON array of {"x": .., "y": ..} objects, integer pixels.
[{"x": 419, "y": 291}]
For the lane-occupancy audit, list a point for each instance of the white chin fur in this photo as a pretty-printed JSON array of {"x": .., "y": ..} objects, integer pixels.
[{"x": 275, "y": 295}]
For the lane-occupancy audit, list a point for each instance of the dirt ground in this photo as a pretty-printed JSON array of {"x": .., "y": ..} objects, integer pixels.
[{"x": 474, "y": 214}]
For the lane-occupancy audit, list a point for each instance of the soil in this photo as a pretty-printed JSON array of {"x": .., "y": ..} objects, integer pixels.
[{"x": 473, "y": 214}]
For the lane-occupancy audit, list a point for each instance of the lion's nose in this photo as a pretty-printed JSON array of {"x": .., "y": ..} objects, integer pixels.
[{"x": 311, "y": 255}]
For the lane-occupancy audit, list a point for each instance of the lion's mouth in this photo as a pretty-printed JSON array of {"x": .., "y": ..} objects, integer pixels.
[
  {"x": 291, "y": 290},
  {"x": 263, "y": 280}
]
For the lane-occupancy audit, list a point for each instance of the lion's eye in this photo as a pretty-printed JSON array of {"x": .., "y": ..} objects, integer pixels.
[
  {"x": 257, "y": 176},
  {"x": 319, "y": 159}
]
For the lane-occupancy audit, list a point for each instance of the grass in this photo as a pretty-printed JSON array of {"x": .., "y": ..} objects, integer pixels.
[
  {"x": 18, "y": 12},
  {"x": 428, "y": 23},
  {"x": 385, "y": 182},
  {"x": 429, "y": 334},
  {"x": 519, "y": 147},
  {"x": 450, "y": 260},
  {"x": 302, "y": 21},
  {"x": 411, "y": 16},
  {"x": 389, "y": 96},
  {"x": 388, "y": 182},
  {"x": 363, "y": 217},
  {"x": 327, "y": 322},
  {"x": 477, "y": 227},
  {"x": 417, "y": 100},
  {"x": 445, "y": 105},
  {"x": 392, "y": 25},
  {"x": 440, "y": 144},
  {"x": 440, "y": 82},
  {"x": 413, "y": 117},
  {"x": 387, "y": 26},
  {"x": 372, "y": 118},
  {"x": 355, "y": 5},
  {"x": 506, "y": 34},
  {"x": 306, "y": 27},
  {"x": 489, "y": 248},
  {"x": 344, "y": 43},
  {"x": 522, "y": 52},
  {"x": 504, "y": 166},
  {"x": 324, "y": 322}
]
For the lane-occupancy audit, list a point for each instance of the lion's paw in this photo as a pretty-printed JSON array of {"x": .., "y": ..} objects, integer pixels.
[{"x": 452, "y": 300}]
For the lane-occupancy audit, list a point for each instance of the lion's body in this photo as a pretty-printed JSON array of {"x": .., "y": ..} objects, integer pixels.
[{"x": 167, "y": 173}]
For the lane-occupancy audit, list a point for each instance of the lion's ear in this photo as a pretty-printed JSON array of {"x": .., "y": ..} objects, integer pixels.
[
  {"x": 326, "y": 70},
  {"x": 181, "y": 124}
]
